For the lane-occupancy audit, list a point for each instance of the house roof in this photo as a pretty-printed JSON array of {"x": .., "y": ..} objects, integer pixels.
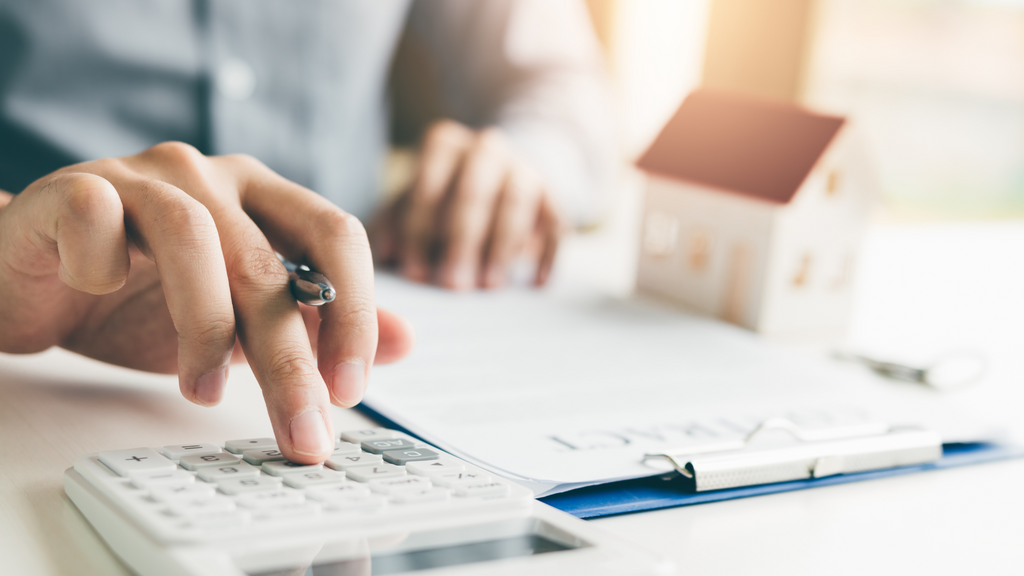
[{"x": 759, "y": 148}]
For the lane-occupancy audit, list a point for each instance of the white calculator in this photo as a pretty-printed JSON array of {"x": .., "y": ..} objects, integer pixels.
[{"x": 383, "y": 503}]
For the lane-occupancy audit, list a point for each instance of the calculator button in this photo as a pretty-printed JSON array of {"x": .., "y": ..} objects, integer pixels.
[
  {"x": 270, "y": 498},
  {"x": 455, "y": 478},
  {"x": 287, "y": 510},
  {"x": 346, "y": 461},
  {"x": 258, "y": 457},
  {"x": 443, "y": 465},
  {"x": 219, "y": 520},
  {"x": 344, "y": 491},
  {"x": 261, "y": 483},
  {"x": 315, "y": 478},
  {"x": 202, "y": 506},
  {"x": 418, "y": 497},
  {"x": 170, "y": 478},
  {"x": 218, "y": 473},
  {"x": 345, "y": 447},
  {"x": 239, "y": 446},
  {"x": 283, "y": 467},
  {"x": 376, "y": 472},
  {"x": 136, "y": 460},
  {"x": 178, "y": 450},
  {"x": 402, "y": 457},
  {"x": 484, "y": 489},
  {"x": 348, "y": 499},
  {"x": 401, "y": 484},
  {"x": 196, "y": 492},
  {"x": 378, "y": 446},
  {"x": 196, "y": 462},
  {"x": 357, "y": 436}
]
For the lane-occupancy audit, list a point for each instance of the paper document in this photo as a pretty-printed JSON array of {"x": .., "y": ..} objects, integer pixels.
[{"x": 561, "y": 390}]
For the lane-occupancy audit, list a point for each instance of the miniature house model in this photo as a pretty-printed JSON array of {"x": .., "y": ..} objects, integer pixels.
[{"x": 754, "y": 213}]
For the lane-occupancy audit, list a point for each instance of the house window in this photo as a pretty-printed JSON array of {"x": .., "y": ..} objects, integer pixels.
[
  {"x": 660, "y": 232},
  {"x": 833, "y": 182},
  {"x": 699, "y": 251},
  {"x": 803, "y": 272}
]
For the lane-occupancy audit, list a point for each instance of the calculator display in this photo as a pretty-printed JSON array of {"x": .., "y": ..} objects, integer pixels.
[{"x": 416, "y": 560}]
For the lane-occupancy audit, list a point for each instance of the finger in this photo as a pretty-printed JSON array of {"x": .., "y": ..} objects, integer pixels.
[
  {"x": 515, "y": 216},
  {"x": 181, "y": 237},
  {"x": 395, "y": 335},
  {"x": 443, "y": 148},
  {"x": 384, "y": 233},
  {"x": 550, "y": 230},
  {"x": 471, "y": 210}
]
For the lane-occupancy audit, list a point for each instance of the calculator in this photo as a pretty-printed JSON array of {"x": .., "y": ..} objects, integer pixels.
[{"x": 383, "y": 503}]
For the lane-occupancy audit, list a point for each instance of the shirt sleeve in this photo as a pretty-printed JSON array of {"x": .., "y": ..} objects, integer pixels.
[{"x": 534, "y": 69}]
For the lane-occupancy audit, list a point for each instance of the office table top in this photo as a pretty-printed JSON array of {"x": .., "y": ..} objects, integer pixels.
[{"x": 925, "y": 287}]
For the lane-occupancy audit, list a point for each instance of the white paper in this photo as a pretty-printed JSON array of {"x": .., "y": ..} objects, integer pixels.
[{"x": 560, "y": 390}]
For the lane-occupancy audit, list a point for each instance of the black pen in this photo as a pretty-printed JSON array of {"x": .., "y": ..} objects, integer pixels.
[{"x": 308, "y": 286}]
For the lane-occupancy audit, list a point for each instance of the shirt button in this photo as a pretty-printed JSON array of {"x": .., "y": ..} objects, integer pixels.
[{"x": 235, "y": 79}]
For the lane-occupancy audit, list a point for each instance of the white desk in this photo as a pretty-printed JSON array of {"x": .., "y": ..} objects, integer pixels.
[{"x": 923, "y": 288}]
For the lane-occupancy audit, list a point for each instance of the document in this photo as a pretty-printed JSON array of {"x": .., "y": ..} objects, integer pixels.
[{"x": 563, "y": 389}]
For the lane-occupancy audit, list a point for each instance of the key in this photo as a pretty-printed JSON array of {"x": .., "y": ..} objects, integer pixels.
[
  {"x": 350, "y": 497},
  {"x": 456, "y": 478},
  {"x": 196, "y": 492},
  {"x": 402, "y": 457},
  {"x": 379, "y": 471},
  {"x": 489, "y": 489},
  {"x": 220, "y": 520},
  {"x": 345, "y": 447},
  {"x": 357, "y": 436},
  {"x": 239, "y": 446},
  {"x": 419, "y": 497},
  {"x": 233, "y": 486},
  {"x": 346, "y": 461},
  {"x": 378, "y": 446},
  {"x": 240, "y": 470},
  {"x": 194, "y": 507},
  {"x": 283, "y": 467},
  {"x": 270, "y": 498},
  {"x": 136, "y": 460},
  {"x": 258, "y": 457},
  {"x": 402, "y": 484},
  {"x": 288, "y": 510},
  {"x": 317, "y": 478},
  {"x": 340, "y": 491},
  {"x": 198, "y": 461},
  {"x": 176, "y": 451},
  {"x": 171, "y": 478},
  {"x": 443, "y": 465}
]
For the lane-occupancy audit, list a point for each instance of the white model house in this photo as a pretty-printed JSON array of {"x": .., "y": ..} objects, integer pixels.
[{"x": 754, "y": 213}]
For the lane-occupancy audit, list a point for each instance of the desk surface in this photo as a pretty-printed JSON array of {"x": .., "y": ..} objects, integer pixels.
[{"x": 923, "y": 288}]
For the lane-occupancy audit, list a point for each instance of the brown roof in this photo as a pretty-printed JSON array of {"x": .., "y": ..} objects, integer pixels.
[{"x": 760, "y": 148}]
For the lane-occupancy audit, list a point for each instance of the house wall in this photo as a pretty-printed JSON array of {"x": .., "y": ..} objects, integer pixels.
[
  {"x": 705, "y": 248},
  {"x": 815, "y": 247}
]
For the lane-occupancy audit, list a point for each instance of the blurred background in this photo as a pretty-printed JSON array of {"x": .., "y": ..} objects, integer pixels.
[{"x": 936, "y": 87}]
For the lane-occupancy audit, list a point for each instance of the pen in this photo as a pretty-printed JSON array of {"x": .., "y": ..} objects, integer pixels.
[{"x": 308, "y": 286}]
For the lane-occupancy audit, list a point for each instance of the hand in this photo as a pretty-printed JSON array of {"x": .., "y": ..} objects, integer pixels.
[
  {"x": 473, "y": 209},
  {"x": 157, "y": 261}
]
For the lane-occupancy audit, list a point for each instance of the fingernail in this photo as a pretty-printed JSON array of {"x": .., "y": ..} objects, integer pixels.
[
  {"x": 349, "y": 382},
  {"x": 462, "y": 277},
  {"x": 210, "y": 387},
  {"x": 495, "y": 277},
  {"x": 309, "y": 434},
  {"x": 414, "y": 270}
]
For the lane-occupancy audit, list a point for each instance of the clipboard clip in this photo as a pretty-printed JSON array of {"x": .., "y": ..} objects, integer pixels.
[{"x": 815, "y": 454}]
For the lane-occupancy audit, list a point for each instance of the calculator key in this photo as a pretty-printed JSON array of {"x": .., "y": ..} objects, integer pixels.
[
  {"x": 376, "y": 472},
  {"x": 176, "y": 451},
  {"x": 345, "y": 447},
  {"x": 239, "y": 446},
  {"x": 378, "y": 446},
  {"x": 440, "y": 466},
  {"x": 218, "y": 473},
  {"x": 283, "y": 467},
  {"x": 182, "y": 493},
  {"x": 287, "y": 510},
  {"x": 357, "y": 436},
  {"x": 348, "y": 499},
  {"x": 315, "y": 478},
  {"x": 198, "y": 461},
  {"x": 259, "y": 456},
  {"x": 402, "y": 457},
  {"x": 219, "y": 520},
  {"x": 270, "y": 498},
  {"x": 456, "y": 478},
  {"x": 419, "y": 497},
  {"x": 489, "y": 489},
  {"x": 233, "y": 486},
  {"x": 202, "y": 506},
  {"x": 169, "y": 478},
  {"x": 344, "y": 491},
  {"x": 346, "y": 461},
  {"x": 135, "y": 461},
  {"x": 401, "y": 484}
]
